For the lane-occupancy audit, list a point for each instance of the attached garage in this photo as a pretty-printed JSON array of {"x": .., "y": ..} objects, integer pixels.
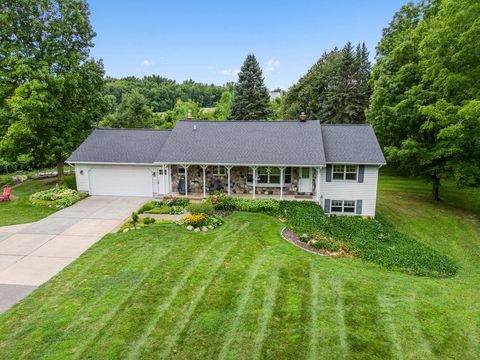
[{"x": 120, "y": 180}]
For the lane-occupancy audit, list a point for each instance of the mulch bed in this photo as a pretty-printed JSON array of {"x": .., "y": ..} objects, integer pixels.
[{"x": 292, "y": 238}]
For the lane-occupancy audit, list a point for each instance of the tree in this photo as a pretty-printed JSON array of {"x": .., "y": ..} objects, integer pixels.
[
  {"x": 132, "y": 112},
  {"x": 250, "y": 95},
  {"x": 426, "y": 100},
  {"x": 50, "y": 90},
  {"x": 224, "y": 106},
  {"x": 334, "y": 90}
]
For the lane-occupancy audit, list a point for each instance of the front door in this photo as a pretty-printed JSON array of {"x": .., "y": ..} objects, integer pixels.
[{"x": 305, "y": 182}]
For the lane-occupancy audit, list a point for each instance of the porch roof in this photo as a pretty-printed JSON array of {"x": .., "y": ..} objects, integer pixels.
[{"x": 244, "y": 142}]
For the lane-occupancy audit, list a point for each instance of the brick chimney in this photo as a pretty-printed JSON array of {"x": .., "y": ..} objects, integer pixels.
[
  {"x": 302, "y": 117},
  {"x": 189, "y": 115}
]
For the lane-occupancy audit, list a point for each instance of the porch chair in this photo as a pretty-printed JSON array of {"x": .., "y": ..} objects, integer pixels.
[
  {"x": 181, "y": 187},
  {"x": 215, "y": 186},
  {"x": 6, "y": 194}
]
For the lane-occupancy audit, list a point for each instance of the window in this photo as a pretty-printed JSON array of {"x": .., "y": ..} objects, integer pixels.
[
  {"x": 343, "y": 206},
  {"x": 269, "y": 176},
  {"x": 344, "y": 172},
  {"x": 219, "y": 170},
  {"x": 181, "y": 170}
]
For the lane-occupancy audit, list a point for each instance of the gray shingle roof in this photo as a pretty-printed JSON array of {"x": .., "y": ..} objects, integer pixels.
[
  {"x": 244, "y": 142},
  {"x": 121, "y": 146},
  {"x": 351, "y": 144},
  {"x": 234, "y": 142}
]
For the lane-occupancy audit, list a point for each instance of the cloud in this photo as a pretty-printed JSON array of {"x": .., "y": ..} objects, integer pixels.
[
  {"x": 230, "y": 71},
  {"x": 146, "y": 62},
  {"x": 272, "y": 65}
]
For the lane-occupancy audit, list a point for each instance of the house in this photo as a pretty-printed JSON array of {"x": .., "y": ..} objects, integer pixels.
[{"x": 335, "y": 165}]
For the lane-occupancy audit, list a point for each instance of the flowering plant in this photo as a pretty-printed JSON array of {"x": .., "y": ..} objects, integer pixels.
[
  {"x": 221, "y": 201},
  {"x": 196, "y": 220}
]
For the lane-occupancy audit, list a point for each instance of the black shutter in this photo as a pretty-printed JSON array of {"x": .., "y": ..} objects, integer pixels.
[
  {"x": 361, "y": 172},
  {"x": 329, "y": 173},
  {"x": 326, "y": 209},
  {"x": 359, "y": 207}
]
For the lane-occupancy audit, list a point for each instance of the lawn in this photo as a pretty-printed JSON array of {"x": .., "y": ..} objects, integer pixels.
[
  {"x": 20, "y": 210},
  {"x": 241, "y": 291}
]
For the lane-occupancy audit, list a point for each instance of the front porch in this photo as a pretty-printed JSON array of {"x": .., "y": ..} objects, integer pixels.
[{"x": 278, "y": 182}]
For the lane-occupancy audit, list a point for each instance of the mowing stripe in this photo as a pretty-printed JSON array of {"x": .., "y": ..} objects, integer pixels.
[
  {"x": 417, "y": 328},
  {"x": 386, "y": 305},
  {"x": 242, "y": 303},
  {"x": 267, "y": 313},
  {"x": 163, "y": 307},
  {"x": 197, "y": 297},
  {"x": 106, "y": 319},
  {"x": 314, "y": 334},
  {"x": 339, "y": 308}
]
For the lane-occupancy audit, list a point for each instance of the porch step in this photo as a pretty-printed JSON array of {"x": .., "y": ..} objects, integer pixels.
[{"x": 307, "y": 197}]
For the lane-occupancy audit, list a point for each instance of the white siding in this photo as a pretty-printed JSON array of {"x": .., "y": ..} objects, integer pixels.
[
  {"x": 353, "y": 190},
  {"x": 121, "y": 180}
]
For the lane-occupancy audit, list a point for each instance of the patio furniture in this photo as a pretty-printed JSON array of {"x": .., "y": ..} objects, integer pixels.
[
  {"x": 181, "y": 186},
  {"x": 215, "y": 186},
  {"x": 6, "y": 194}
]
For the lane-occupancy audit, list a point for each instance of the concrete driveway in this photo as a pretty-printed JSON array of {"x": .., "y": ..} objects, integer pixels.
[{"x": 30, "y": 254}]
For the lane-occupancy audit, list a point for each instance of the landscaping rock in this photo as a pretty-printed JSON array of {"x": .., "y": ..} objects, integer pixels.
[
  {"x": 204, "y": 228},
  {"x": 126, "y": 230},
  {"x": 196, "y": 229},
  {"x": 211, "y": 227},
  {"x": 189, "y": 227}
]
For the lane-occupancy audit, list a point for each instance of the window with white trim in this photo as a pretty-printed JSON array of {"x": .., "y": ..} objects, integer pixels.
[
  {"x": 343, "y": 206},
  {"x": 269, "y": 176},
  {"x": 181, "y": 170},
  {"x": 219, "y": 170},
  {"x": 344, "y": 172}
]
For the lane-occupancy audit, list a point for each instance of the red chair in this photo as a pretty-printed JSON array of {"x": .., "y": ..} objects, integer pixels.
[{"x": 6, "y": 194}]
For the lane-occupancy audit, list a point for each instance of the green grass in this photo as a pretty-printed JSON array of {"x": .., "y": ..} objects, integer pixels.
[
  {"x": 20, "y": 210},
  {"x": 241, "y": 291}
]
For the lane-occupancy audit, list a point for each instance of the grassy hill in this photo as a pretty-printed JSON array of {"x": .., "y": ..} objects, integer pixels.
[{"x": 241, "y": 291}]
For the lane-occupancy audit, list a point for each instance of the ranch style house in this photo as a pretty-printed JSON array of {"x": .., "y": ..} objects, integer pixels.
[{"x": 334, "y": 165}]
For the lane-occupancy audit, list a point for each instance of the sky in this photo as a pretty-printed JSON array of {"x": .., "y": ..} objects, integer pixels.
[{"x": 207, "y": 41}]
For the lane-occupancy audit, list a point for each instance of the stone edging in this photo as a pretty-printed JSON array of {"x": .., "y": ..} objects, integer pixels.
[{"x": 294, "y": 240}]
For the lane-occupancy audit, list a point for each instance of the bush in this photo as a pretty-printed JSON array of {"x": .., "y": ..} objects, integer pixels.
[
  {"x": 201, "y": 208},
  {"x": 148, "y": 220},
  {"x": 179, "y": 202},
  {"x": 220, "y": 201},
  {"x": 196, "y": 220},
  {"x": 58, "y": 197},
  {"x": 374, "y": 240},
  {"x": 134, "y": 218},
  {"x": 325, "y": 243},
  {"x": 176, "y": 210},
  {"x": 70, "y": 182},
  {"x": 146, "y": 207},
  {"x": 256, "y": 205},
  {"x": 213, "y": 221}
]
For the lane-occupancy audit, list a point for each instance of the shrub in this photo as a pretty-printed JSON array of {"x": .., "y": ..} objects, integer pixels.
[
  {"x": 164, "y": 209},
  {"x": 213, "y": 221},
  {"x": 196, "y": 220},
  {"x": 58, "y": 197},
  {"x": 201, "y": 208},
  {"x": 134, "y": 218},
  {"x": 220, "y": 201},
  {"x": 179, "y": 202},
  {"x": 176, "y": 210},
  {"x": 148, "y": 220},
  {"x": 256, "y": 205},
  {"x": 325, "y": 243},
  {"x": 146, "y": 207}
]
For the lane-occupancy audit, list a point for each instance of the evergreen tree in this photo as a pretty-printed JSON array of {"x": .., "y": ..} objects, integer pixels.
[{"x": 250, "y": 96}]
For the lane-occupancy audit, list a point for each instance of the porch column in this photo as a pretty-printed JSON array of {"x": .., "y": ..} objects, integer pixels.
[
  {"x": 228, "y": 177},
  {"x": 282, "y": 171},
  {"x": 204, "y": 180},
  {"x": 186, "y": 179},
  {"x": 254, "y": 168},
  {"x": 318, "y": 184}
]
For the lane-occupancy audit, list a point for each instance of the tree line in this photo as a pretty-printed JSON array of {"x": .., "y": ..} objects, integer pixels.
[{"x": 422, "y": 95}]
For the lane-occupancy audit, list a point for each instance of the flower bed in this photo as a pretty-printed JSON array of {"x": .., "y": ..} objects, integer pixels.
[
  {"x": 173, "y": 207},
  {"x": 200, "y": 222},
  {"x": 58, "y": 197}
]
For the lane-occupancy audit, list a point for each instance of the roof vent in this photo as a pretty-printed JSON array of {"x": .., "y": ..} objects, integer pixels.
[
  {"x": 189, "y": 115},
  {"x": 302, "y": 117}
]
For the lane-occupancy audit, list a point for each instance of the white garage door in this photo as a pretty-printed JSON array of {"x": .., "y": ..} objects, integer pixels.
[{"x": 121, "y": 181}]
